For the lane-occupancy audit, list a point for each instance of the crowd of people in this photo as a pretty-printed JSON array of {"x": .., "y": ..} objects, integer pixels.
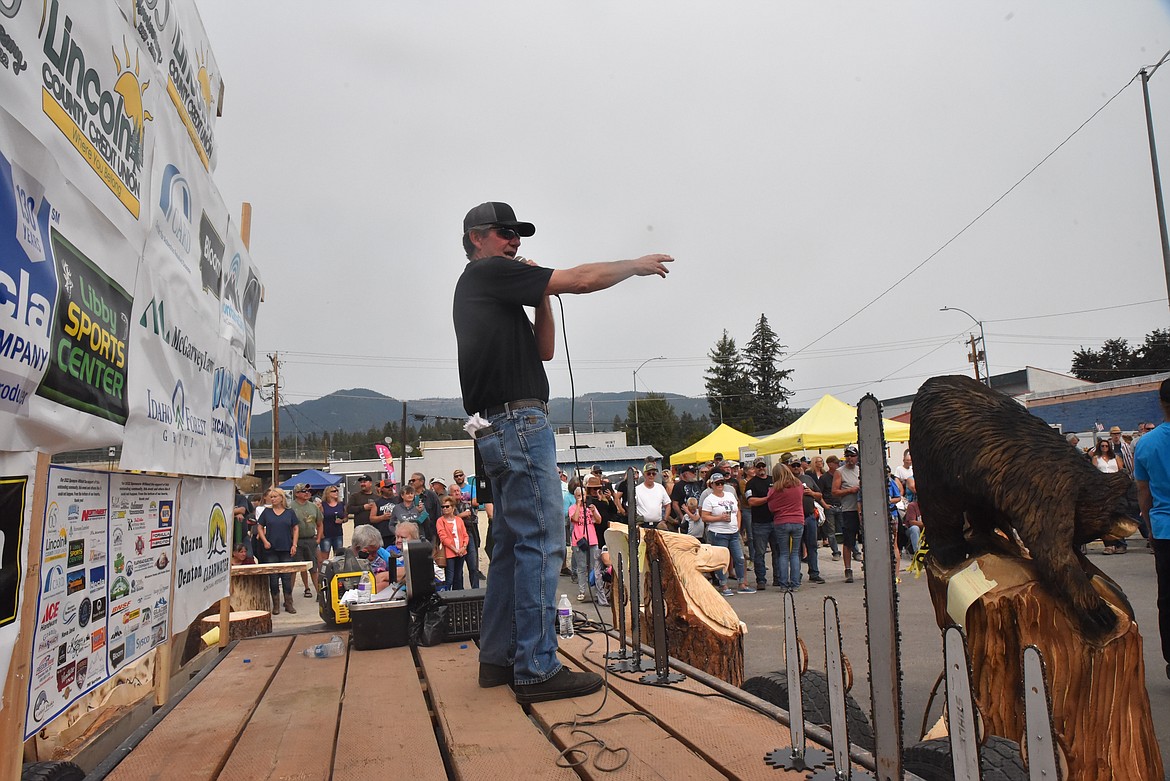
[{"x": 271, "y": 529}]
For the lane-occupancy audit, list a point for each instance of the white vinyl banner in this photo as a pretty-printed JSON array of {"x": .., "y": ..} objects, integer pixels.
[
  {"x": 66, "y": 277},
  {"x": 70, "y": 634},
  {"x": 16, "y": 480},
  {"x": 202, "y": 549}
]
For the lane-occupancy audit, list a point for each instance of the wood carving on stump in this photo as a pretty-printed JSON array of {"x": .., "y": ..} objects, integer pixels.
[
  {"x": 702, "y": 630},
  {"x": 1007, "y": 505}
]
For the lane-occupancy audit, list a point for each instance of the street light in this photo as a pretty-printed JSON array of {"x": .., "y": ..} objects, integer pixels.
[
  {"x": 637, "y": 429},
  {"x": 982, "y": 344}
]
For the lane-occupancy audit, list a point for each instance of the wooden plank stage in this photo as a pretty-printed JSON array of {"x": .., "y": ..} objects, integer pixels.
[
  {"x": 385, "y": 723},
  {"x": 197, "y": 737},
  {"x": 292, "y": 732},
  {"x": 488, "y": 735},
  {"x": 420, "y": 714}
]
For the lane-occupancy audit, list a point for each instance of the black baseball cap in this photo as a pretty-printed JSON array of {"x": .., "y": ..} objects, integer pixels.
[
  {"x": 496, "y": 214},
  {"x": 851, "y": 450},
  {"x": 364, "y": 479}
]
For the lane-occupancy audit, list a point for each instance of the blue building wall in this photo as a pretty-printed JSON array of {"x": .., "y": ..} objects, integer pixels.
[{"x": 1122, "y": 409}]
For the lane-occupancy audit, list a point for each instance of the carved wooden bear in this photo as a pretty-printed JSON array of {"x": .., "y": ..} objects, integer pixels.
[{"x": 980, "y": 456}]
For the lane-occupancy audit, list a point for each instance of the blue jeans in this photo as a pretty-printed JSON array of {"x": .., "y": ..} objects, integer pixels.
[
  {"x": 914, "y": 534},
  {"x": 528, "y": 535},
  {"x": 763, "y": 535},
  {"x": 473, "y": 552},
  {"x": 811, "y": 545},
  {"x": 454, "y": 580},
  {"x": 788, "y": 569},
  {"x": 733, "y": 544}
]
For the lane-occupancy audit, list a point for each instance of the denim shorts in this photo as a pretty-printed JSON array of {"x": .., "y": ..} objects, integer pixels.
[{"x": 333, "y": 544}]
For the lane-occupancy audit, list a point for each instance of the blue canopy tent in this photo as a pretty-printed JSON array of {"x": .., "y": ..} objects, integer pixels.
[{"x": 314, "y": 477}]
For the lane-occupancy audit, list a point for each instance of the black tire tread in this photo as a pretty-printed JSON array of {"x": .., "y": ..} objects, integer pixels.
[
  {"x": 51, "y": 771},
  {"x": 931, "y": 759},
  {"x": 814, "y": 686}
]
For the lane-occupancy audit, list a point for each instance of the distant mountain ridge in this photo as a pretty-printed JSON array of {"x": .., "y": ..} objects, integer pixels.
[{"x": 358, "y": 409}]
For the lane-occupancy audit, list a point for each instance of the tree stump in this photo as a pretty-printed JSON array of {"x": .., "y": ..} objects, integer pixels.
[
  {"x": 701, "y": 628},
  {"x": 1100, "y": 707},
  {"x": 241, "y": 623}
]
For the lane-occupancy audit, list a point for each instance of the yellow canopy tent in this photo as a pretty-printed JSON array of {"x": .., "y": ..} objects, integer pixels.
[
  {"x": 830, "y": 423},
  {"x": 724, "y": 439}
]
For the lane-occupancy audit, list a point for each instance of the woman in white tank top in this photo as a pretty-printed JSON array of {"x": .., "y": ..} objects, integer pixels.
[{"x": 1105, "y": 459}]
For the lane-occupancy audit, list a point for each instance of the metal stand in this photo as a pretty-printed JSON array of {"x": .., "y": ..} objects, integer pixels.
[
  {"x": 841, "y": 769},
  {"x": 634, "y": 664},
  {"x": 798, "y": 757},
  {"x": 662, "y": 676},
  {"x": 621, "y": 601}
]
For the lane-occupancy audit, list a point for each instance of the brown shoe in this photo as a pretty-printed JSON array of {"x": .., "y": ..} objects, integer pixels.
[
  {"x": 276, "y": 604},
  {"x": 288, "y": 604}
]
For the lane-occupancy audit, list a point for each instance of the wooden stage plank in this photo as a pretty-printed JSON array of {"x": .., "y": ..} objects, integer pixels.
[
  {"x": 292, "y": 730},
  {"x": 488, "y": 735},
  {"x": 728, "y": 735},
  {"x": 385, "y": 728},
  {"x": 195, "y": 739},
  {"x": 649, "y": 751}
]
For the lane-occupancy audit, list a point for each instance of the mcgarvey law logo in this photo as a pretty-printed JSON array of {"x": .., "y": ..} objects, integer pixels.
[
  {"x": 106, "y": 124},
  {"x": 154, "y": 319}
]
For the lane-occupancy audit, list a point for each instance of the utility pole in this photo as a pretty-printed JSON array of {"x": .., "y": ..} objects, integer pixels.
[
  {"x": 975, "y": 356},
  {"x": 1157, "y": 178},
  {"x": 275, "y": 357},
  {"x": 402, "y": 471}
]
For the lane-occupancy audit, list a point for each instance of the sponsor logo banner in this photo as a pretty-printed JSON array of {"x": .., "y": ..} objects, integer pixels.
[{"x": 203, "y": 550}]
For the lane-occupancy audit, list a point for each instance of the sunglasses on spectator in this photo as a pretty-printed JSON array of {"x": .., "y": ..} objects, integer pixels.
[
  {"x": 507, "y": 234},
  {"x": 717, "y": 482}
]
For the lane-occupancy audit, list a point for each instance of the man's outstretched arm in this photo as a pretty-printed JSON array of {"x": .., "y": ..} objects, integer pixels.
[{"x": 591, "y": 277}]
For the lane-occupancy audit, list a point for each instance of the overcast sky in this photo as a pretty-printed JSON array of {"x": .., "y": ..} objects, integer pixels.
[{"x": 797, "y": 159}]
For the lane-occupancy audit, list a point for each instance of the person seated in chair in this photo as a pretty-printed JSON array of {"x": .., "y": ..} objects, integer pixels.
[{"x": 367, "y": 544}]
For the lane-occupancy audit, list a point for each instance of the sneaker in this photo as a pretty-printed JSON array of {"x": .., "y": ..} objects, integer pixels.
[
  {"x": 491, "y": 675},
  {"x": 580, "y": 597},
  {"x": 816, "y": 579},
  {"x": 1106, "y": 551},
  {"x": 848, "y": 576},
  {"x": 746, "y": 590},
  {"x": 1120, "y": 551},
  {"x": 727, "y": 592},
  {"x": 563, "y": 685},
  {"x": 837, "y": 556}
]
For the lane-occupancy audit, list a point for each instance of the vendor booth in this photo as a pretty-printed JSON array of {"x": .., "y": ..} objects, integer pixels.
[
  {"x": 830, "y": 423},
  {"x": 723, "y": 439}
]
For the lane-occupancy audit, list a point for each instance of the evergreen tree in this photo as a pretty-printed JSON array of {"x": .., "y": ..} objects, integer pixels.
[
  {"x": 658, "y": 422},
  {"x": 761, "y": 358},
  {"x": 729, "y": 389}
]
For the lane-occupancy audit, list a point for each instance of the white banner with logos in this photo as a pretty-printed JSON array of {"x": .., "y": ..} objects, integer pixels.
[
  {"x": 16, "y": 481},
  {"x": 202, "y": 548},
  {"x": 104, "y": 599}
]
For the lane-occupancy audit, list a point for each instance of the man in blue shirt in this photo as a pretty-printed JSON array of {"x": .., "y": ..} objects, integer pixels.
[{"x": 1152, "y": 472}]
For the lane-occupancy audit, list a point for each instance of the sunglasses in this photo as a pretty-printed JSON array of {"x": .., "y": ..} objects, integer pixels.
[
  {"x": 507, "y": 234},
  {"x": 717, "y": 482},
  {"x": 458, "y": 474},
  {"x": 651, "y": 471}
]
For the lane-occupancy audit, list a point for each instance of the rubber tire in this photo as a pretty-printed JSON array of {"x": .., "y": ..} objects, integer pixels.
[
  {"x": 51, "y": 771},
  {"x": 1000, "y": 759},
  {"x": 814, "y": 687}
]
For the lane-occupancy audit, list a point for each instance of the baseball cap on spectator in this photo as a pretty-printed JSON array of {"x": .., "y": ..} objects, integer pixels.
[
  {"x": 496, "y": 214},
  {"x": 649, "y": 466},
  {"x": 439, "y": 480},
  {"x": 805, "y": 460},
  {"x": 385, "y": 484},
  {"x": 851, "y": 450},
  {"x": 595, "y": 469},
  {"x": 786, "y": 458},
  {"x": 716, "y": 476},
  {"x": 682, "y": 470},
  {"x": 760, "y": 462},
  {"x": 364, "y": 479},
  {"x": 300, "y": 487}
]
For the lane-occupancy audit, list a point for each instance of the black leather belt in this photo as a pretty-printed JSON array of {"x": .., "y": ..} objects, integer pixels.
[{"x": 507, "y": 407}]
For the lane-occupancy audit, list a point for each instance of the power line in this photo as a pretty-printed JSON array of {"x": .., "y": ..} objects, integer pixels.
[{"x": 976, "y": 219}]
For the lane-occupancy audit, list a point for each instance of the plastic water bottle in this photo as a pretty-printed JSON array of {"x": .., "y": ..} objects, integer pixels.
[
  {"x": 564, "y": 617},
  {"x": 363, "y": 589},
  {"x": 335, "y": 647}
]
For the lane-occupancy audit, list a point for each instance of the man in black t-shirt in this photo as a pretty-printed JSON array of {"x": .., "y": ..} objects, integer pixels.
[
  {"x": 362, "y": 502},
  {"x": 501, "y": 375},
  {"x": 687, "y": 487},
  {"x": 764, "y": 532},
  {"x": 832, "y": 505}
]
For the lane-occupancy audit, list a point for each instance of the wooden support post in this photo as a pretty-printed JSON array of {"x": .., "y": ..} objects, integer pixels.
[
  {"x": 16, "y": 686},
  {"x": 162, "y": 672},
  {"x": 225, "y": 620}
]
